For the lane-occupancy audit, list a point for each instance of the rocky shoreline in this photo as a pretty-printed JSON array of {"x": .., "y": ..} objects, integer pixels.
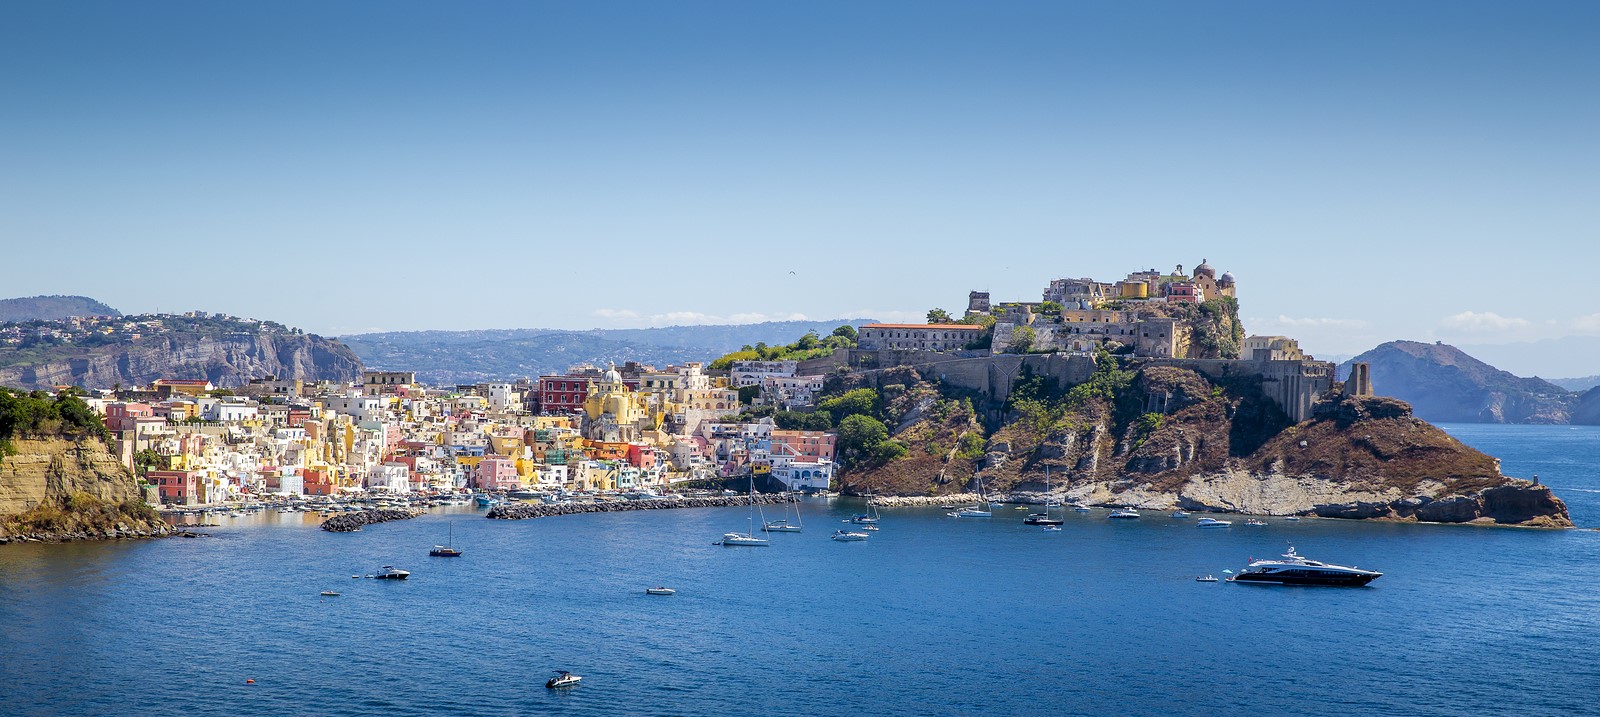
[
  {"x": 524, "y": 511},
  {"x": 112, "y": 533},
  {"x": 351, "y": 522}
]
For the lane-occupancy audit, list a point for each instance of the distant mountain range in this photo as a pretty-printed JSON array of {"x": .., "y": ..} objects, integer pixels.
[
  {"x": 451, "y": 357},
  {"x": 1445, "y": 384},
  {"x": 52, "y": 308}
]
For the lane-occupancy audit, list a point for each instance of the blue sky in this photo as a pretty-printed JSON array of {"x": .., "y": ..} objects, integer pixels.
[{"x": 1368, "y": 171}]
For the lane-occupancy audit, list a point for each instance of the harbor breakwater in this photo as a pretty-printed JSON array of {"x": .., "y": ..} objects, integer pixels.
[
  {"x": 523, "y": 511},
  {"x": 348, "y": 522}
]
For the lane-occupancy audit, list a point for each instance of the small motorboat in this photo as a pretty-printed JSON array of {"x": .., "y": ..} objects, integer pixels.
[
  {"x": 1291, "y": 517},
  {"x": 1206, "y": 579},
  {"x": 1125, "y": 514},
  {"x": 847, "y": 536},
  {"x": 1180, "y": 513},
  {"x": 971, "y": 511},
  {"x": 329, "y": 593},
  {"x": 947, "y": 507},
  {"x": 1253, "y": 521},
  {"x": 563, "y": 679},
  {"x": 391, "y": 572},
  {"x": 660, "y": 591},
  {"x": 1053, "y": 528},
  {"x": 1213, "y": 523},
  {"x": 1081, "y": 508},
  {"x": 872, "y": 528}
]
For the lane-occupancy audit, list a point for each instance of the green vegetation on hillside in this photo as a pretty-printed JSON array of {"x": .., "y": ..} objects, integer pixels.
[
  {"x": 81, "y": 513},
  {"x": 810, "y": 346},
  {"x": 37, "y": 414}
]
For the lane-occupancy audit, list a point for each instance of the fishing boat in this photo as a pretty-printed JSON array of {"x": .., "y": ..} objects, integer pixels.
[
  {"x": 448, "y": 550},
  {"x": 563, "y": 679},
  {"x": 747, "y": 538}
]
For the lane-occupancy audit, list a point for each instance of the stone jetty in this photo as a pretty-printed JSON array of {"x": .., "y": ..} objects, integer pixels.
[
  {"x": 347, "y": 522},
  {"x": 919, "y": 501},
  {"x": 522, "y": 511}
]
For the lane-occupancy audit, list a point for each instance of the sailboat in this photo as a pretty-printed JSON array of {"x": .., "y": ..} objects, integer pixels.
[
  {"x": 1043, "y": 518},
  {"x": 747, "y": 538},
  {"x": 868, "y": 518},
  {"x": 782, "y": 525},
  {"x": 448, "y": 550},
  {"x": 975, "y": 511}
]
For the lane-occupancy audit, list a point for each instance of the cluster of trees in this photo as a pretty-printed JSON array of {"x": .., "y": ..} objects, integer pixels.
[
  {"x": 863, "y": 436},
  {"x": 38, "y": 414},
  {"x": 807, "y": 347}
]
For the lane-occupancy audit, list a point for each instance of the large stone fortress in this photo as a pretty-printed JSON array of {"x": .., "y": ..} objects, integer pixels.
[{"x": 1080, "y": 316}]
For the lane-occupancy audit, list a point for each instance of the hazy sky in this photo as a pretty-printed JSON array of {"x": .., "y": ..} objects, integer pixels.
[{"x": 1368, "y": 171}]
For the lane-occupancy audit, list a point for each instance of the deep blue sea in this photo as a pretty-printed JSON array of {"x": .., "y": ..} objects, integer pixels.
[{"x": 932, "y": 616}]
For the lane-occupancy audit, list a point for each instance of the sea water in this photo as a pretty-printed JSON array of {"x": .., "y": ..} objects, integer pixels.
[{"x": 931, "y": 616}]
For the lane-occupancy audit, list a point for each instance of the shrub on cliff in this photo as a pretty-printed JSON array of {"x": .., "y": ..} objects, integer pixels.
[{"x": 37, "y": 414}]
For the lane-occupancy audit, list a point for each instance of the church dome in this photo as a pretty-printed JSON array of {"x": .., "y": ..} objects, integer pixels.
[
  {"x": 1227, "y": 279},
  {"x": 1205, "y": 270},
  {"x": 611, "y": 375}
]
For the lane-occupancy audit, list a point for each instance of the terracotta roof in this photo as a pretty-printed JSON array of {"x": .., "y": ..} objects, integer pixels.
[{"x": 954, "y": 327}]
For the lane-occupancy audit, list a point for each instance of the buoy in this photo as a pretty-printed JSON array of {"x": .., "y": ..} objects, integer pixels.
[{"x": 249, "y": 682}]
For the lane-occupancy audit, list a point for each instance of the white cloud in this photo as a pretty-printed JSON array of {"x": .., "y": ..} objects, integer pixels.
[
  {"x": 617, "y": 314},
  {"x": 1486, "y": 322},
  {"x": 1299, "y": 323},
  {"x": 1587, "y": 324}
]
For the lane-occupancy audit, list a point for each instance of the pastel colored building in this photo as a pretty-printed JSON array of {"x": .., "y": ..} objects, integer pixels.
[{"x": 176, "y": 487}]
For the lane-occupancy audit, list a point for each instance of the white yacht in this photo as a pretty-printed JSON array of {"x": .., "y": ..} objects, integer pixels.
[
  {"x": 1125, "y": 514},
  {"x": 971, "y": 511},
  {"x": 847, "y": 536},
  {"x": 563, "y": 679},
  {"x": 1180, "y": 513},
  {"x": 390, "y": 572},
  {"x": 1294, "y": 569},
  {"x": 1213, "y": 523}
]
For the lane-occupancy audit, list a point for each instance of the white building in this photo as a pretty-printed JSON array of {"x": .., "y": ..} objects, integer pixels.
[{"x": 750, "y": 373}]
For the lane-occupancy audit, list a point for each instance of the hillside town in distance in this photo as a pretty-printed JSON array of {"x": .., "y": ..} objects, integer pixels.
[{"x": 630, "y": 429}]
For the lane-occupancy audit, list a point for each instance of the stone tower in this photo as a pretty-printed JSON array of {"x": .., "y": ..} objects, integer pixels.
[
  {"x": 1359, "y": 383},
  {"x": 978, "y": 302}
]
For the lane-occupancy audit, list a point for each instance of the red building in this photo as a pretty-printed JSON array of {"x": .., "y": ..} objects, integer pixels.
[
  {"x": 1183, "y": 292},
  {"x": 179, "y": 487}
]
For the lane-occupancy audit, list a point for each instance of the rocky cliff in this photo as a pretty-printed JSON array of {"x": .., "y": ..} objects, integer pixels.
[
  {"x": 1443, "y": 383},
  {"x": 55, "y": 487},
  {"x": 227, "y": 360},
  {"x": 1165, "y": 437}
]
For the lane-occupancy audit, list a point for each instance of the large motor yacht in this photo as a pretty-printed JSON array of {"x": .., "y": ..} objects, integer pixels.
[{"x": 1293, "y": 569}]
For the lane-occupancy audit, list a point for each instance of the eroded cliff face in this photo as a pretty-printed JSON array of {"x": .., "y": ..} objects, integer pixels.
[
  {"x": 227, "y": 360},
  {"x": 1168, "y": 437},
  {"x": 70, "y": 489}
]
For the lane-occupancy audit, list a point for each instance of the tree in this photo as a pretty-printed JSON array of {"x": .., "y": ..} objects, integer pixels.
[
  {"x": 1049, "y": 307},
  {"x": 847, "y": 331},
  {"x": 938, "y": 316},
  {"x": 808, "y": 342},
  {"x": 859, "y": 401},
  {"x": 859, "y": 437},
  {"x": 1021, "y": 340}
]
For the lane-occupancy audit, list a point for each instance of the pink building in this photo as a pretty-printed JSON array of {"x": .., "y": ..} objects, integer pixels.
[
  {"x": 1183, "y": 292},
  {"x": 124, "y": 416},
  {"x": 498, "y": 474},
  {"x": 641, "y": 456},
  {"x": 804, "y": 445},
  {"x": 180, "y": 487}
]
